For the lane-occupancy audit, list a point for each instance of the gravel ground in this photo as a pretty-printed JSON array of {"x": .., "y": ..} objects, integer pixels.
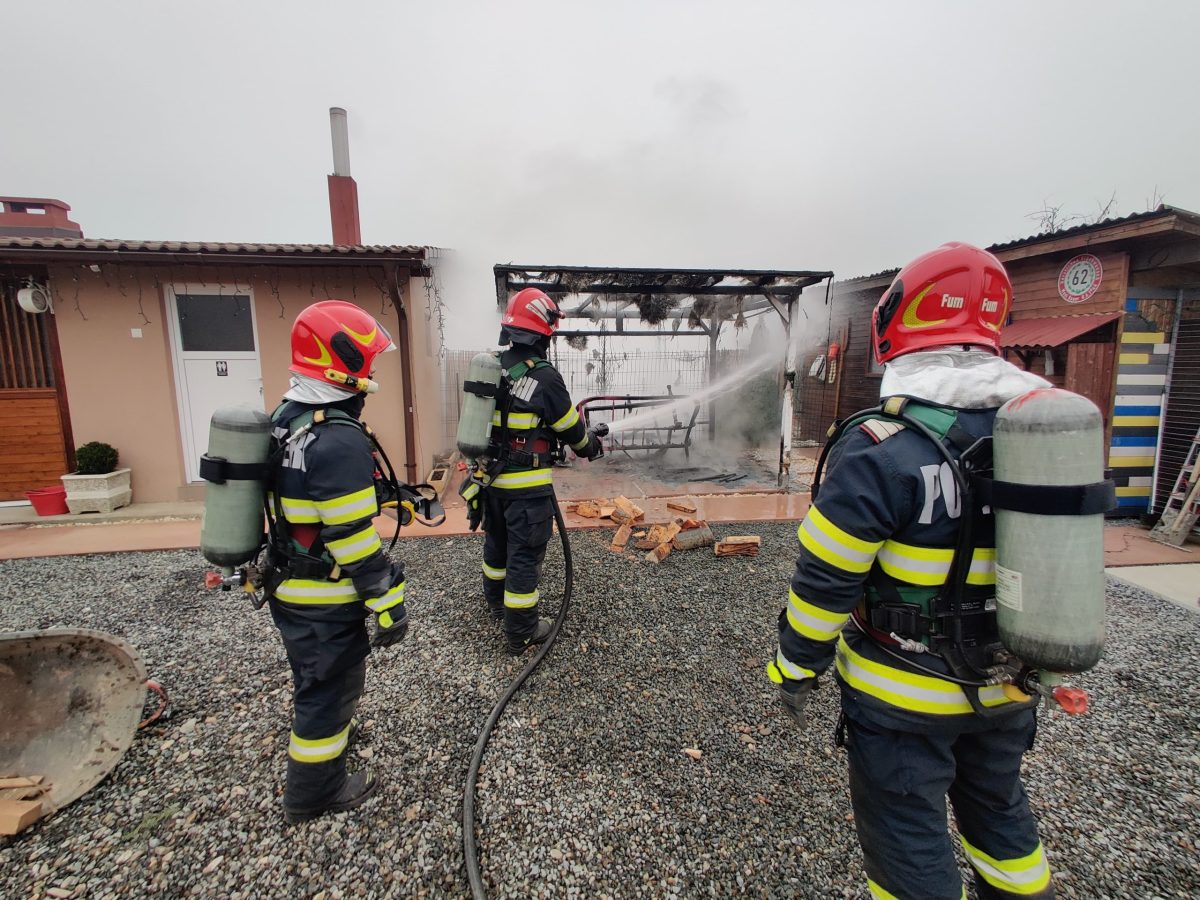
[{"x": 586, "y": 789}]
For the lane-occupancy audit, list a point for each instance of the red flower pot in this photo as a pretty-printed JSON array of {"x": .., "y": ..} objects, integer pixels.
[{"x": 49, "y": 501}]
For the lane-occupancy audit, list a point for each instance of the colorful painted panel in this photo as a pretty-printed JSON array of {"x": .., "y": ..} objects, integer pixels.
[{"x": 1137, "y": 413}]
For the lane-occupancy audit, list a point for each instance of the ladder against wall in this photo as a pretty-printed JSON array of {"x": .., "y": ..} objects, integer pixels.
[{"x": 1183, "y": 504}]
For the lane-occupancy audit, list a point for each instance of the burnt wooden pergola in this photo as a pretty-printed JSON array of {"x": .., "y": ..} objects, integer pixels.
[{"x": 600, "y": 302}]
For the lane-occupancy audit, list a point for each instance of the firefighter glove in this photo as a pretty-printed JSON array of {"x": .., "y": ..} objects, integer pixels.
[
  {"x": 594, "y": 449},
  {"x": 391, "y": 615},
  {"x": 391, "y": 626},
  {"x": 472, "y": 494},
  {"x": 794, "y": 695}
]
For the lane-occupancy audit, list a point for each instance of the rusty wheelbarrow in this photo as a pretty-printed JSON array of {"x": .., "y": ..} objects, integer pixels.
[{"x": 70, "y": 703}]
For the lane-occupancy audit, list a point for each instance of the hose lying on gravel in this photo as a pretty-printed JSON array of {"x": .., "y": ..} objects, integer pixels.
[{"x": 470, "y": 849}]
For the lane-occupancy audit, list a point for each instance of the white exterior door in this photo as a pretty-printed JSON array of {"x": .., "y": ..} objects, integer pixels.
[{"x": 214, "y": 341}]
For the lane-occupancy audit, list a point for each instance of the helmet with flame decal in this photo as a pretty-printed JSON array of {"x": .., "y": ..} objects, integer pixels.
[
  {"x": 532, "y": 310},
  {"x": 956, "y": 294},
  {"x": 337, "y": 342}
]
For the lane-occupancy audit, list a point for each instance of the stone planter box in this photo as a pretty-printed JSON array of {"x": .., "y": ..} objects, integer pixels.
[{"x": 98, "y": 493}]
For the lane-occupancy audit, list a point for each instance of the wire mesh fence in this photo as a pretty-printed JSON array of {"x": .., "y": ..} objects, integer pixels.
[{"x": 599, "y": 370}]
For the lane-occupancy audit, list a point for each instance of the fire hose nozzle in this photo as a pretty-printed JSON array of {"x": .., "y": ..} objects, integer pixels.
[{"x": 600, "y": 429}]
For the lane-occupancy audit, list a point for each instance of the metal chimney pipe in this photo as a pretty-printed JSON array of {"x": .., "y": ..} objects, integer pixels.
[{"x": 341, "y": 141}]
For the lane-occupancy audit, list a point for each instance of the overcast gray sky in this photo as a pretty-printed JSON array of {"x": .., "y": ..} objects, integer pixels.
[{"x": 848, "y": 136}]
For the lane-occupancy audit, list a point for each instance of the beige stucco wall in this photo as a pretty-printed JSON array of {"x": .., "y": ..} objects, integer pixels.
[{"x": 121, "y": 389}]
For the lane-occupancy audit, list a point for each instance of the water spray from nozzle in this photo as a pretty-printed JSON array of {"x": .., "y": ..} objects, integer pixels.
[{"x": 726, "y": 383}]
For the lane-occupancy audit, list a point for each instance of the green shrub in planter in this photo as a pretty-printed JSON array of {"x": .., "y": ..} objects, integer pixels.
[{"x": 95, "y": 458}]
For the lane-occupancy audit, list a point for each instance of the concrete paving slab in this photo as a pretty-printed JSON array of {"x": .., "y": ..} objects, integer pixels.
[
  {"x": 1180, "y": 583},
  {"x": 23, "y": 540}
]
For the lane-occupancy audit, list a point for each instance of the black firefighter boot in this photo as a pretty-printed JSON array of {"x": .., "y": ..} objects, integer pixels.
[
  {"x": 517, "y": 646},
  {"x": 356, "y": 790}
]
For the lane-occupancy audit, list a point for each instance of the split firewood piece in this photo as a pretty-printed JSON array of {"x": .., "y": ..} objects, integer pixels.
[
  {"x": 684, "y": 506},
  {"x": 657, "y": 534},
  {"x": 589, "y": 509},
  {"x": 659, "y": 553},
  {"x": 692, "y": 538},
  {"x": 23, "y": 781},
  {"x": 607, "y": 511},
  {"x": 621, "y": 538},
  {"x": 738, "y": 545},
  {"x": 689, "y": 524},
  {"x": 630, "y": 511},
  {"x": 17, "y": 815},
  {"x": 663, "y": 550}
]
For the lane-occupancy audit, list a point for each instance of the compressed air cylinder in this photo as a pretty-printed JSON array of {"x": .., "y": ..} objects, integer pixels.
[
  {"x": 232, "y": 530},
  {"x": 479, "y": 403},
  {"x": 1050, "y": 568}
]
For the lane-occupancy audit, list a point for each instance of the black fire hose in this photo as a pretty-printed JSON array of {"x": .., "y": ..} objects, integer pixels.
[{"x": 470, "y": 848}]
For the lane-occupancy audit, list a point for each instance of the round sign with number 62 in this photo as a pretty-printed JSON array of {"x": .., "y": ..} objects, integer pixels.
[{"x": 1080, "y": 278}]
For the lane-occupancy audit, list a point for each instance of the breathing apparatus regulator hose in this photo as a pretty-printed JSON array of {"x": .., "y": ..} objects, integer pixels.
[{"x": 470, "y": 848}]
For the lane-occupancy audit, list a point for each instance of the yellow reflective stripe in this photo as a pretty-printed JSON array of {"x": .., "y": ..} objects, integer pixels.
[
  {"x": 532, "y": 478},
  {"x": 881, "y": 893},
  {"x": 569, "y": 419},
  {"x": 319, "y": 750},
  {"x": 514, "y": 600},
  {"x": 302, "y": 591},
  {"x": 358, "y": 546},
  {"x": 302, "y": 512},
  {"x": 518, "y": 421},
  {"x": 930, "y": 566},
  {"x": 1027, "y": 875},
  {"x": 813, "y": 622},
  {"x": 581, "y": 443},
  {"x": 786, "y": 669},
  {"x": 908, "y": 690},
  {"x": 493, "y": 573},
  {"x": 394, "y": 597},
  {"x": 349, "y": 507},
  {"x": 470, "y": 491},
  {"x": 831, "y": 544},
  {"x": 916, "y": 565},
  {"x": 983, "y": 566}
]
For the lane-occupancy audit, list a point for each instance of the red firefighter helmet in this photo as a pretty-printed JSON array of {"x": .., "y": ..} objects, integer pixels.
[
  {"x": 337, "y": 342},
  {"x": 532, "y": 310},
  {"x": 956, "y": 294}
]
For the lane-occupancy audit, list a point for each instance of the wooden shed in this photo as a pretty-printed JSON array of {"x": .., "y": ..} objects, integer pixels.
[{"x": 1110, "y": 311}]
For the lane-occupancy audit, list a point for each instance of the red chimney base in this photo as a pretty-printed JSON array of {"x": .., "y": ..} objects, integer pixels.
[{"x": 343, "y": 210}]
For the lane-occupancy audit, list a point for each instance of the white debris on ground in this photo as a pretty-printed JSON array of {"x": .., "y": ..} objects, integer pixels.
[{"x": 646, "y": 758}]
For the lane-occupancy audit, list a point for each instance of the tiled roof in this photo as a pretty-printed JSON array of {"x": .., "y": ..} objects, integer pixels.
[{"x": 101, "y": 246}]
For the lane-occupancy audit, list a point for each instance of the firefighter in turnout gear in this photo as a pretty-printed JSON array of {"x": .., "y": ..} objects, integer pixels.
[
  {"x": 534, "y": 413},
  {"x": 332, "y": 568},
  {"x": 870, "y": 595}
]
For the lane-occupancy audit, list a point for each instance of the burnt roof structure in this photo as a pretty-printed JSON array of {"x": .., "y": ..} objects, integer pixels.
[
  {"x": 700, "y": 298},
  {"x": 695, "y": 302}
]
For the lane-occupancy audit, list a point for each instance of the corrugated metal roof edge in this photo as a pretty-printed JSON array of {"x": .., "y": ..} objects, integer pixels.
[
  {"x": 1163, "y": 211},
  {"x": 1052, "y": 331}
]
